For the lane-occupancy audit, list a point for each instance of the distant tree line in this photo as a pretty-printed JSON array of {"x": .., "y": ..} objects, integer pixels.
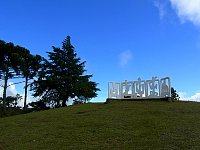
[{"x": 54, "y": 80}]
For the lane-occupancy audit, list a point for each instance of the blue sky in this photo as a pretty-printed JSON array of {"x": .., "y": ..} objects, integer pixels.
[{"x": 119, "y": 40}]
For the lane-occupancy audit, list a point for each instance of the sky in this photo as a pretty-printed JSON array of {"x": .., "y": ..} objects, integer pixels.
[{"x": 119, "y": 40}]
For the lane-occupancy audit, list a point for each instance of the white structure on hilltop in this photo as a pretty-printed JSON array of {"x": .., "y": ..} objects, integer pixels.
[{"x": 153, "y": 88}]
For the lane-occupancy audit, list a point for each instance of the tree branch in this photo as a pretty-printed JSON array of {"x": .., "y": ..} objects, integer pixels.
[{"x": 15, "y": 83}]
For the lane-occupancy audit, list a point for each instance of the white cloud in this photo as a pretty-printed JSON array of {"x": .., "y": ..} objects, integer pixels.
[
  {"x": 187, "y": 10},
  {"x": 161, "y": 8},
  {"x": 29, "y": 99},
  {"x": 125, "y": 58},
  {"x": 195, "y": 97},
  {"x": 11, "y": 90}
]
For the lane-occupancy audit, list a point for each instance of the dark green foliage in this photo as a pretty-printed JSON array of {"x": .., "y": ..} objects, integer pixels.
[
  {"x": 38, "y": 105},
  {"x": 15, "y": 62},
  {"x": 174, "y": 95},
  {"x": 11, "y": 101},
  {"x": 9, "y": 56},
  {"x": 62, "y": 77},
  {"x": 30, "y": 64},
  {"x": 9, "y": 65}
]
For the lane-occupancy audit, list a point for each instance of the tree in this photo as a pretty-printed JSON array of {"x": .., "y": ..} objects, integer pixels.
[
  {"x": 174, "y": 95},
  {"x": 25, "y": 61},
  {"x": 39, "y": 105},
  {"x": 29, "y": 66},
  {"x": 16, "y": 61},
  {"x": 11, "y": 101},
  {"x": 63, "y": 77},
  {"x": 9, "y": 66}
]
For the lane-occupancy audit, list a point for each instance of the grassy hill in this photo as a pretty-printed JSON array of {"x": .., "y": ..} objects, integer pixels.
[{"x": 116, "y": 125}]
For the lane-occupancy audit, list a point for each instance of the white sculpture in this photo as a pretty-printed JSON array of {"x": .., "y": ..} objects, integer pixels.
[
  {"x": 139, "y": 87},
  {"x": 126, "y": 89},
  {"x": 114, "y": 90},
  {"x": 153, "y": 88},
  {"x": 165, "y": 88}
]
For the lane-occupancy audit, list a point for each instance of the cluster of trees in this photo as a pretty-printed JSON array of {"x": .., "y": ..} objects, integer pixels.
[
  {"x": 12, "y": 101},
  {"x": 16, "y": 62},
  {"x": 54, "y": 80}
]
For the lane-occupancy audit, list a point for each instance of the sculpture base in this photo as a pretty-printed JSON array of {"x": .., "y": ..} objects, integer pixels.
[{"x": 140, "y": 99}]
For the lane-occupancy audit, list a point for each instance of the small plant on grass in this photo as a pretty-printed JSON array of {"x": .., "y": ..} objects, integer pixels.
[{"x": 174, "y": 95}]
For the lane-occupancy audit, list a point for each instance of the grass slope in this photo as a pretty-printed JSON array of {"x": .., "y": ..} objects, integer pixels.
[{"x": 116, "y": 125}]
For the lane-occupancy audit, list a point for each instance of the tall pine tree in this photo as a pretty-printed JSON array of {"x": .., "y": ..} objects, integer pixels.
[
  {"x": 62, "y": 77},
  {"x": 9, "y": 65}
]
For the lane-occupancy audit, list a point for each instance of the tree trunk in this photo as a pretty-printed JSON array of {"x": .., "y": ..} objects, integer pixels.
[
  {"x": 4, "y": 91},
  {"x": 25, "y": 95},
  {"x": 64, "y": 103},
  {"x": 57, "y": 104}
]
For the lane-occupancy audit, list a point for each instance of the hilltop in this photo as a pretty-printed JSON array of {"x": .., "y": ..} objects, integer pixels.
[{"x": 115, "y": 125}]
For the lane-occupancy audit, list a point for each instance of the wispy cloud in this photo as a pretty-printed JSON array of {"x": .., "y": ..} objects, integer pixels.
[
  {"x": 187, "y": 10},
  {"x": 125, "y": 57},
  {"x": 161, "y": 8},
  {"x": 195, "y": 97}
]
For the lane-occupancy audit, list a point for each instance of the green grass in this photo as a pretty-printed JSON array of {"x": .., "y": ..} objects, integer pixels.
[
  {"x": 10, "y": 112},
  {"x": 116, "y": 125}
]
